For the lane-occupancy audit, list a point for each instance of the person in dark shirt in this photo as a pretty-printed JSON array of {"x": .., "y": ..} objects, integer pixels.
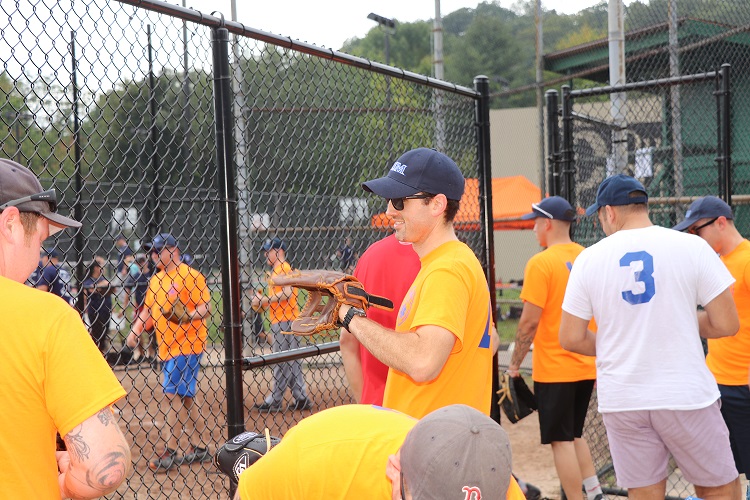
[
  {"x": 136, "y": 285},
  {"x": 98, "y": 304},
  {"x": 123, "y": 251},
  {"x": 50, "y": 276}
]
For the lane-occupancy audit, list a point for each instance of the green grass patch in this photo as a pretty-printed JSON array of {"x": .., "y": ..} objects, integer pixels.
[{"x": 506, "y": 328}]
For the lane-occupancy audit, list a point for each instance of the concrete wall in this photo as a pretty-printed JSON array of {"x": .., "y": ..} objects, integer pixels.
[{"x": 514, "y": 140}]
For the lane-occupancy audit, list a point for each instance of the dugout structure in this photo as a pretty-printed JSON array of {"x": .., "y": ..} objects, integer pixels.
[{"x": 149, "y": 117}]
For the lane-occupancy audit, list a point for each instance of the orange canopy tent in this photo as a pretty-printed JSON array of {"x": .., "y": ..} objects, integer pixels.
[{"x": 511, "y": 198}]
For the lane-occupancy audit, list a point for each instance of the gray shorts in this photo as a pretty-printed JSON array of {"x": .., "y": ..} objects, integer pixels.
[{"x": 641, "y": 441}]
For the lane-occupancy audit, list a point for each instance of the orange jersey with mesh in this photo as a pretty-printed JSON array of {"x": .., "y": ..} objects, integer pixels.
[
  {"x": 450, "y": 291},
  {"x": 544, "y": 281},
  {"x": 189, "y": 286},
  {"x": 284, "y": 310},
  {"x": 728, "y": 357}
]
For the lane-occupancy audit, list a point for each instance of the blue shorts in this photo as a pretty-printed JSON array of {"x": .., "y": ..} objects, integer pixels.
[{"x": 181, "y": 375}]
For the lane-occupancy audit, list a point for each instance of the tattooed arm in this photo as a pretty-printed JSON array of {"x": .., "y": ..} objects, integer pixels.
[
  {"x": 525, "y": 333},
  {"x": 97, "y": 459}
]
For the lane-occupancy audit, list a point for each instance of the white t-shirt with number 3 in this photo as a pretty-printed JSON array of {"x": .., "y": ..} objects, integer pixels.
[{"x": 643, "y": 287}]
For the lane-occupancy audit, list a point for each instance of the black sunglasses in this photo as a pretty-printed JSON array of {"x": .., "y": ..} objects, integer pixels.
[
  {"x": 694, "y": 230},
  {"x": 50, "y": 196},
  {"x": 398, "y": 203}
]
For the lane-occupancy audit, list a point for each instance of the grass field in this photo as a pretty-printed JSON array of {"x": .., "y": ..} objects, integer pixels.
[{"x": 506, "y": 328}]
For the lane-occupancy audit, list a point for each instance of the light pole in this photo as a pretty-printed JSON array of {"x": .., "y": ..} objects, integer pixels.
[{"x": 389, "y": 27}]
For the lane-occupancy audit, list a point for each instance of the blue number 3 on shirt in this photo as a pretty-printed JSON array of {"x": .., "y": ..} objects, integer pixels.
[{"x": 645, "y": 276}]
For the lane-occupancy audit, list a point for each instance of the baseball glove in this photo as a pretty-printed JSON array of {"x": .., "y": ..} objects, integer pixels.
[
  {"x": 241, "y": 452},
  {"x": 328, "y": 290},
  {"x": 516, "y": 399},
  {"x": 176, "y": 313}
]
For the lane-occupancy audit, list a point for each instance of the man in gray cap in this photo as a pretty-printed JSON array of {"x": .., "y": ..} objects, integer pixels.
[
  {"x": 729, "y": 357},
  {"x": 643, "y": 284},
  {"x": 441, "y": 350},
  {"x": 53, "y": 378},
  {"x": 340, "y": 453}
]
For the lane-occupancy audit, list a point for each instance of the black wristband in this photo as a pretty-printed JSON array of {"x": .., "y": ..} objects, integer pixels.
[{"x": 350, "y": 314}]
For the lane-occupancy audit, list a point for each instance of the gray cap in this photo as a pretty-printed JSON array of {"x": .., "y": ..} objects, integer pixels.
[
  {"x": 20, "y": 188},
  {"x": 456, "y": 451}
]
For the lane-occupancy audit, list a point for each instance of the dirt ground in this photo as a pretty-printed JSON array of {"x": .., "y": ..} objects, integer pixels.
[
  {"x": 532, "y": 461},
  {"x": 143, "y": 419}
]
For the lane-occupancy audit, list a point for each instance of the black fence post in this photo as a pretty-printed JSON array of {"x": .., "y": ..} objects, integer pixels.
[
  {"x": 78, "y": 242},
  {"x": 724, "y": 102},
  {"x": 482, "y": 86},
  {"x": 152, "y": 204},
  {"x": 568, "y": 170},
  {"x": 227, "y": 205},
  {"x": 553, "y": 144}
]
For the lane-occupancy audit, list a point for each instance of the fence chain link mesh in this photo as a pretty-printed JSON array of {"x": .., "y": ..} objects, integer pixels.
[
  {"x": 670, "y": 135},
  {"x": 113, "y": 105}
]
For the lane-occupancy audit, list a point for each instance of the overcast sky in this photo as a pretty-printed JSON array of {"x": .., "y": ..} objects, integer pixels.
[{"x": 330, "y": 23}]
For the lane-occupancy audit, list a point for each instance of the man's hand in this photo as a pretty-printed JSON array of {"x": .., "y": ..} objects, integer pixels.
[
  {"x": 257, "y": 302},
  {"x": 132, "y": 340},
  {"x": 342, "y": 311}
]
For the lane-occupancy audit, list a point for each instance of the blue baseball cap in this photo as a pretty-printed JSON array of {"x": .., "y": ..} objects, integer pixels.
[
  {"x": 615, "y": 191},
  {"x": 420, "y": 170},
  {"x": 554, "y": 207},
  {"x": 162, "y": 240},
  {"x": 707, "y": 207},
  {"x": 274, "y": 244}
]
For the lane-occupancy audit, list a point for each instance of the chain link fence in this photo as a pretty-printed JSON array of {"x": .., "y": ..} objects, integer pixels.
[
  {"x": 675, "y": 122},
  {"x": 124, "y": 110}
]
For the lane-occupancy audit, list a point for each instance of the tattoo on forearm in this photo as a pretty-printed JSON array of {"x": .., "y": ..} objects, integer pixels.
[
  {"x": 109, "y": 472},
  {"x": 76, "y": 445},
  {"x": 105, "y": 417},
  {"x": 520, "y": 350}
]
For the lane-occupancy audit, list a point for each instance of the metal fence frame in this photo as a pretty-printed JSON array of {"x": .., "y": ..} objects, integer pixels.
[
  {"x": 235, "y": 363},
  {"x": 562, "y": 181}
]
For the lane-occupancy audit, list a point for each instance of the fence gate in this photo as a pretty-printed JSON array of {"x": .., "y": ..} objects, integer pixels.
[{"x": 673, "y": 134}]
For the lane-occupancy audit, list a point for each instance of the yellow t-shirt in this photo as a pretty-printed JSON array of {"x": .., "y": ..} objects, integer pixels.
[
  {"x": 339, "y": 453},
  {"x": 728, "y": 357},
  {"x": 164, "y": 289},
  {"x": 284, "y": 310},
  {"x": 450, "y": 291},
  {"x": 544, "y": 282},
  {"x": 52, "y": 378}
]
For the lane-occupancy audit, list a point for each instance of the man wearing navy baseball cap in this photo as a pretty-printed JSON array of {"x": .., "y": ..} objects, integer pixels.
[
  {"x": 563, "y": 381},
  {"x": 729, "y": 357},
  {"x": 644, "y": 283},
  {"x": 178, "y": 302},
  {"x": 441, "y": 351}
]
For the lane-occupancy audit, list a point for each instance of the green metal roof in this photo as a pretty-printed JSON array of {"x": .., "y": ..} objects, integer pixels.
[{"x": 594, "y": 56}]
